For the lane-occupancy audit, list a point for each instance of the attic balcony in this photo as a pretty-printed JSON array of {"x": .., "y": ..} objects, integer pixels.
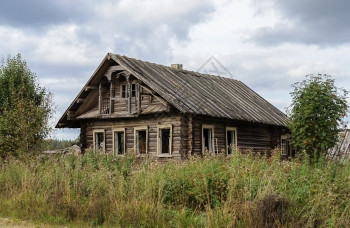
[{"x": 119, "y": 98}]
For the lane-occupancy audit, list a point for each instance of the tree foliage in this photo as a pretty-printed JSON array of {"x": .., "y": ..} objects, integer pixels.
[
  {"x": 316, "y": 114},
  {"x": 25, "y": 108}
]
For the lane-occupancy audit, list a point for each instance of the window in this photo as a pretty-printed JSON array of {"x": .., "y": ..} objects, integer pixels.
[
  {"x": 141, "y": 140},
  {"x": 164, "y": 140},
  {"x": 133, "y": 90},
  {"x": 231, "y": 140},
  {"x": 119, "y": 141},
  {"x": 207, "y": 138},
  {"x": 99, "y": 140},
  {"x": 284, "y": 145},
  {"x": 123, "y": 91}
]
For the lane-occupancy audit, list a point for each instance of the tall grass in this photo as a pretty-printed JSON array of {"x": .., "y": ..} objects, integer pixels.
[{"x": 239, "y": 191}]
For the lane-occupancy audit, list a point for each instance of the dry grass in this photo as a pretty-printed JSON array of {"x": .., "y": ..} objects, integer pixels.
[{"x": 240, "y": 191}]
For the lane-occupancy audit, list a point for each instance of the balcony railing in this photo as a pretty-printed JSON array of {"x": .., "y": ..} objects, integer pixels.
[{"x": 104, "y": 106}]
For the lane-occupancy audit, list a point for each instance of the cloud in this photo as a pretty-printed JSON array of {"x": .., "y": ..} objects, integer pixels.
[
  {"x": 145, "y": 29},
  {"x": 312, "y": 22},
  {"x": 38, "y": 13},
  {"x": 63, "y": 42}
]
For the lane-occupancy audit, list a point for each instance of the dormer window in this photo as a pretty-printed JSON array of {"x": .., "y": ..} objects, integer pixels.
[
  {"x": 133, "y": 90},
  {"x": 123, "y": 91}
]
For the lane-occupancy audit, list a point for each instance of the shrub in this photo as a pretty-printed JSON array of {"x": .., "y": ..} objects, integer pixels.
[
  {"x": 25, "y": 109},
  {"x": 316, "y": 113}
]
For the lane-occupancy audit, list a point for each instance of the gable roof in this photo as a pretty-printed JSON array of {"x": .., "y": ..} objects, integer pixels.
[{"x": 196, "y": 93}]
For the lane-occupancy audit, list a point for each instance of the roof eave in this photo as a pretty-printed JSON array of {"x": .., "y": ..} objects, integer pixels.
[{"x": 64, "y": 116}]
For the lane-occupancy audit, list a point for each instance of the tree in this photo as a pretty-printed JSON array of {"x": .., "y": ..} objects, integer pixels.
[
  {"x": 25, "y": 109},
  {"x": 315, "y": 115}
]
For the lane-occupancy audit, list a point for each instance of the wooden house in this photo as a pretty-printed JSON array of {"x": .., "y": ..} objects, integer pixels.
[
  {"x": 129, "y": 105},
  {"x": 341, "y": 150}
]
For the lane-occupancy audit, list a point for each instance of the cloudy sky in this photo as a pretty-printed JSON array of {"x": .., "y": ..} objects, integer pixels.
[{"x": 267, "y": 44}]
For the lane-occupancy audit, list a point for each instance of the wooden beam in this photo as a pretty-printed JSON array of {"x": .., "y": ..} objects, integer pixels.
[
  {"x": 129, "y": 95},
  {"x": 79, "y": 100},
  {"x": 87, "y": 88},
  {"x": 70, "y": 115},
  {"x": 164, "y": 102},
  {"x": 116, "y": 115},
  {"x": 111, "y": 95},
  {"x": 99, "y": 97},
  {"x": 118, "y": 99},
  {"x": 138, "y": 98},
  {"x": 147, "y": 89}
]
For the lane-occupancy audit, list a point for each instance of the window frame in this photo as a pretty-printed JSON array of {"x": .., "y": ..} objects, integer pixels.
[
  {"x": 211, "y": 127},
  {"x": 133, "y": 92},
  {"x": 226, "y": 138},
  {"x": 159, "y": 140},
  {"x": 121, "y": 90},
  {"x": 136, "y": 129},
  {"x": 114, "y": 130},
  {"x": 284, "y": 153},
  {"x": 94, "y": 132}
]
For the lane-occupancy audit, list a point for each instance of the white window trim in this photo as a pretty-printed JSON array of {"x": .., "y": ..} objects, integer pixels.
[
  {"x": 135, "y": 138},
  {"x": 159, "y": 154},
  {"x": 285, "y": 153},
  {"x": 231, "y": 129},
  {"x": 205, "y": 126},
  {"x": 94, "y": 139},
  {"x": 118, "y": 130}
]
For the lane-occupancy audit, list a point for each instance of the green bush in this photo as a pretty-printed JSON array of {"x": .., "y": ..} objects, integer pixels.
[{"x": 25, "y": 109}]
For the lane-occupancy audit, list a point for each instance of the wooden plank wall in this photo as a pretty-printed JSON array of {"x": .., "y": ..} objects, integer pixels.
[
  {"x": 120, "y": 106},
  {"x": 151, "y": 121}
]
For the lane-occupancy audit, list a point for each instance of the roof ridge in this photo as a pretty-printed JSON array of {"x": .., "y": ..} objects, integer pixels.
[{"x": 192, "y": 73}]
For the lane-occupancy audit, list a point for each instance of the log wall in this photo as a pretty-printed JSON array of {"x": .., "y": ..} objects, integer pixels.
[
  {"x": 152, "y": 122},
  {"x": 250, "y": 136},
  {"x": 186, "y": 132}
]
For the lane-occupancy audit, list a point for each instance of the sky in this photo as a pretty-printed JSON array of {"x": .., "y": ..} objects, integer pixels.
[{"x": 267, "y": 44}]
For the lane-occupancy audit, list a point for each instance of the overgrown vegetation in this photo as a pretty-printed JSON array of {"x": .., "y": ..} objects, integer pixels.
[
  {"x": 316, "y": 114},
  {"x": 239, "y": 191},
  {"x": 25, "y": 109}
]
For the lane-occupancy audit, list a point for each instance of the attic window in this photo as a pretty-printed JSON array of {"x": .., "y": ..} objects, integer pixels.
[
  {"x": 133, "y": 90},
  {"x": 123, "y": 92}
]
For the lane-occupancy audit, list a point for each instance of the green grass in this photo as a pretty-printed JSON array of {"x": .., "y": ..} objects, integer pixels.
[{"x": 240, "y": 191}]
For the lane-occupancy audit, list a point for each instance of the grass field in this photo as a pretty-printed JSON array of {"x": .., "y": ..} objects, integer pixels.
[{"x": 240, "y": 191}]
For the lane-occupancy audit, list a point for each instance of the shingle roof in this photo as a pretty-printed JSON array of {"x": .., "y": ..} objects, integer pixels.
[
  {"x": 189, "y": 92},
  {"x": 203, "y": 94}
]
